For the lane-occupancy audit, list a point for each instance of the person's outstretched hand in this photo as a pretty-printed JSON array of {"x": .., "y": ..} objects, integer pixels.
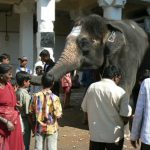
[{"x": 10, "y": 126}]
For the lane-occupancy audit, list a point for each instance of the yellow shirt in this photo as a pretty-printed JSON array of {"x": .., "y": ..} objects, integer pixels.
[{"x": 46, "y": 108}]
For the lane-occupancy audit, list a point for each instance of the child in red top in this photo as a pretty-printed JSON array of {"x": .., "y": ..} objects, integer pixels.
[{"x": 66, "y": 83}]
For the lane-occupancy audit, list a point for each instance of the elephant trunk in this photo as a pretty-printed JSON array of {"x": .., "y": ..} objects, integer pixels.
[{"x": 68, "y": 61}]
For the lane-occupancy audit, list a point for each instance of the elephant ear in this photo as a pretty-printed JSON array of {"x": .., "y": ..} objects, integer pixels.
[{"x": 115, "y": 39}]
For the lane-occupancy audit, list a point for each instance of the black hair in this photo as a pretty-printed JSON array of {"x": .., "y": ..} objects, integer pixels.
[
  {"x": 4, "y": 68},
  {"x": 47, "y": 80},
  {"x": 21, "y": 77},
  {"x": 111, "y": 71},
  {"x": 44, "y": 53},
  {"x": 144, "y": 75},
  {"x": 4, "y": 56},
  {"x": 13, "y": 82}
]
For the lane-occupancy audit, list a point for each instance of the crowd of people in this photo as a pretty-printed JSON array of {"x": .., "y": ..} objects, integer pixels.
[{"x": 26, "y": 108}]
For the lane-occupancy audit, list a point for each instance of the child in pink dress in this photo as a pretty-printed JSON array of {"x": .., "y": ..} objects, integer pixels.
[{"x": 66, "y": 83}]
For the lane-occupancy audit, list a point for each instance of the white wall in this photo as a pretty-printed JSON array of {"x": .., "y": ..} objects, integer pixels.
[
  {"x": 12, "y": 21},
  {"x": 10, "y": 46}
]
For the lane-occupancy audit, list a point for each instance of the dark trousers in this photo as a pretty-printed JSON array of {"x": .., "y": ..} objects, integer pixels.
[
  {"x": 106, "y": 146},
  {"x": 145, "y": 146}
]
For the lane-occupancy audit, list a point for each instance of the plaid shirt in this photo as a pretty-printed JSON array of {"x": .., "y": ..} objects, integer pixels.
[
  {"x": 45, "y": 108},
  {"x": 141, "y": 121}
]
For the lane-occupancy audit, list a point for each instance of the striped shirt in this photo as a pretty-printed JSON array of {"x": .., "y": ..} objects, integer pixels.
[
  {"x": 47, "y": 108},
  {"x": 141, "y": 121}
]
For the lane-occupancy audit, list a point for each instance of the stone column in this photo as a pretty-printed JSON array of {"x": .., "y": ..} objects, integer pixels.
[
  {"x": 112, "y": 8},
  {"x": 45, "y": 19},
  {"x": 25, "y": 9}
]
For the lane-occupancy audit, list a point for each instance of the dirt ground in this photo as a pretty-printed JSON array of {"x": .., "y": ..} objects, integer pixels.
[{"x": 73, "y": 135}]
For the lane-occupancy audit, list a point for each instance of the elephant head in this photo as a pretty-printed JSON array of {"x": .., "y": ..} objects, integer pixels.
[
  {"x": 84, "y": 47},
  {"x": 99, "y": 42}
]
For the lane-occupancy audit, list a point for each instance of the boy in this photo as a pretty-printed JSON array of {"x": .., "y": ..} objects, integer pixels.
[
  {"x": 45, "y": 109},
  {"x": 4, "y": 58},
  {"x": 23, "y": 65},
  {"x": 23, "y": 80}
]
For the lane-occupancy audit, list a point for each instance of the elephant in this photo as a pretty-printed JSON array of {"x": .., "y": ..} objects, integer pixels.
[{"x": 97, "y": 42}]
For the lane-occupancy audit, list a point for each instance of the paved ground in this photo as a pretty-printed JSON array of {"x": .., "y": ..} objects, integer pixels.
[{"x": 73, "y": 135}]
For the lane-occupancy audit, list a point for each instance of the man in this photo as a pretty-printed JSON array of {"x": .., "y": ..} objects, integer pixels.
[
  {"x": 141, "y": 120},
  {"x": 107, "y": 111},
  {"x": 45, "y": 58},
  {"x": 23, "y": 65}
]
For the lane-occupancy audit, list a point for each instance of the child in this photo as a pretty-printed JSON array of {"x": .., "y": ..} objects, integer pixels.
[
  {"x": 14, "y": 84},
  {"x": 66, "y": 84},
  {"x": 4, "y": 58},
  {"x": 45, "y": 109},
  {"x": 23, "y": 65},
  {"x": 23, "y": 80}
]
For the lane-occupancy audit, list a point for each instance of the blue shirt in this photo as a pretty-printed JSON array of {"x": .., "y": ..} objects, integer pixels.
[
  {"x": 24, "y": 69},
  {"x": 141, "y": 121}
]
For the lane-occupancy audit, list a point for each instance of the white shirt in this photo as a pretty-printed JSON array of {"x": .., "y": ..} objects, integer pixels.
[
  {"x": 38, "y": 63},
  {"x": 24, "y": 69},
  {"x": 141, "y": 121},
  {"x": 105, "y": 103}
]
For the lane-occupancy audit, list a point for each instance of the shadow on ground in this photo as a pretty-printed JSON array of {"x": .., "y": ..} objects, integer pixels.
[{"x": 73, "y": 117}]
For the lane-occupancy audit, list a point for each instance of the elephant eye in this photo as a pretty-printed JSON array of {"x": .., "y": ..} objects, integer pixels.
[
  {"x": 83, "y": 42},
  {"x": 85, "y": 53}
]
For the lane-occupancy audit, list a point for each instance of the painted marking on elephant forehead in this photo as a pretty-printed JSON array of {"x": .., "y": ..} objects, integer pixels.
[
  {"x": 75, "y": 31},
  {"x": 112, "y": 37},
  {"x": 106, "y": 37}
]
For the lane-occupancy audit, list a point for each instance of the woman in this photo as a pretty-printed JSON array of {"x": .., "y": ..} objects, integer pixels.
[{"x": 10, "y": 129}]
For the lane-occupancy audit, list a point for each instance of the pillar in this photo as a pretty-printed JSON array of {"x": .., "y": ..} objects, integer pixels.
[
  {"x": 25, "y": 9},
  {"x": 112, "y": 9},
  {"x": 45, "y": 19}
]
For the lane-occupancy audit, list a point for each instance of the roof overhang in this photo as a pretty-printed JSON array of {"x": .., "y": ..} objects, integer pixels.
[{"x": 10, "y": 1}]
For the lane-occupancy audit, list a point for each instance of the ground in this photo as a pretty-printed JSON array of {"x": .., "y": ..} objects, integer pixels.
[{"x": 73, "y": 135}]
